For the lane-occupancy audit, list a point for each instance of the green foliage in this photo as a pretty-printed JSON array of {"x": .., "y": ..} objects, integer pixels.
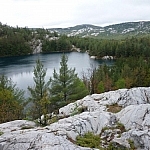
[
  {"x": 132, "y": 147},
  {"x": 114, "y": 146},
  {"x": 121, "y": 127},
  {"x": 94, "y": 141},
  {"x": 11, "y": 100},
  {"x": 125, "y": 73},
  {"x": 78, "y": 109},
  {"x": 101, "y": 88},
  {"x": 120, "y": 84},
  {"x": 53, "y": 120},
  {"x": 39, "y": 93},
  {"x": 1, "y": 133},
  {"x": 118, "y": 126},
  {"x": 134, "y": 46},
  {"x": 88, "y": 140},
  {"x": 14, "y": 41},
  {"x": 65, "y": 85},
  {"x": 62, "y": 44}
]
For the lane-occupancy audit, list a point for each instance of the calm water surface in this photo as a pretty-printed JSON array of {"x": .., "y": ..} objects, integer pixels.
[{"x": 20, "y": 69}]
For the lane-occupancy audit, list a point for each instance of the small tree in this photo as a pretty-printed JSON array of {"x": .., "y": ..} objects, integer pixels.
[
  {"x": 66, "y": 86},
  {"x": 11, "y": 100},
  {"x": 90, "y": 79},
  {"x": 100, "y": 87},
  {"x": 39, "y": 92},
  {"x": 120, "y": 84}
]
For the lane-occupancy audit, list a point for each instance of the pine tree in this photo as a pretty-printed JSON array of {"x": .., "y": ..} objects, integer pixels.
[
  {"x": 65, "y": 85},
  {"x": 39, "y": 93}
]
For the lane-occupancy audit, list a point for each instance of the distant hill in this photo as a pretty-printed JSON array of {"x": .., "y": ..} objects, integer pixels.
[{"x": 111, "y": 31}]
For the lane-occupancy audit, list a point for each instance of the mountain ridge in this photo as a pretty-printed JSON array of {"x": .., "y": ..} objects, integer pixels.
[{"x": 121, "y": 29}]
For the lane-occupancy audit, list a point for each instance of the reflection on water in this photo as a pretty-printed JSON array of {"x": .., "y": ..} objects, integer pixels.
[{"x": 20, "y": 69}]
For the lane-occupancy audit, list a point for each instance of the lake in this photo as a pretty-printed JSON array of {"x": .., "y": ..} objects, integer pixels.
[{"x": 20, "y": 69}]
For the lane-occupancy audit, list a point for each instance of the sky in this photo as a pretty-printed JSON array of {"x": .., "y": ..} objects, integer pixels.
[{"x": 68, "y": 13}]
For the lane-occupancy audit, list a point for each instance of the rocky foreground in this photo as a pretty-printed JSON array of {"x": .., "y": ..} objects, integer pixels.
[{"x": 101, "y": 114}]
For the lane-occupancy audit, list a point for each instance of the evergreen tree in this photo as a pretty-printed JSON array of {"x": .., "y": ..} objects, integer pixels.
[
  {"x": 101, "y": 87},
  {"x": 120, "y": 84},
  {"x": 65, "y": 85},
  {"x": 11, "y": 100},
  {"x": 39, "y": 93}
]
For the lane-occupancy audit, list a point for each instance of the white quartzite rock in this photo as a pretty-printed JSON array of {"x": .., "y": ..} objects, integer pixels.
[{"x": 135, "y": 116}]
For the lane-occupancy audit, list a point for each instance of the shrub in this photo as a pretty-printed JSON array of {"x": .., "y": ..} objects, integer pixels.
[
  {"x": 114, "y": 108},
  {"x": 88, "y": 140},
  {"x": 132, "y": 147},
  {"x": 121, "y": 127}
]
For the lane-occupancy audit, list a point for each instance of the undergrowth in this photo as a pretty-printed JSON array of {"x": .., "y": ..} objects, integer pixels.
[
  {"x": 94, "y": 141},
  {"x": 114, "y": 108},
  {"x": 88, "y": 140}
]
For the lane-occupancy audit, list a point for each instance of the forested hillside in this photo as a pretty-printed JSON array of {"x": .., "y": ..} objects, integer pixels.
[
  {"x": 135, "y": 46},
  {"x": 21, "y": 41},
  {"x": 15, "y": 41},
  {"x": 115, "y": 31}
]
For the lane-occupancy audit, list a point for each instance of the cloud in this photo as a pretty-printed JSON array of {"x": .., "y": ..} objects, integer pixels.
[{"x": 64, "y": 13}]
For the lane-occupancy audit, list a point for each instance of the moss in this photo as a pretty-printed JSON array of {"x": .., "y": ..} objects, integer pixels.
[
  {"x": 1, "y": 133},
  {"x": 115, "y": 108}
]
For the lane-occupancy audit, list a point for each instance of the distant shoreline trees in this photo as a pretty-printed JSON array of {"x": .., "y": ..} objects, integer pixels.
[{"x": 22, "y": 41}]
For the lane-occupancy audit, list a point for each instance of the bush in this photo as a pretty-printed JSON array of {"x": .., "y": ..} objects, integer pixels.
[
  {"x": 121, "y": 127},
  {"x": 114, "y": 108},
  {"x": 88, "y": 140}
]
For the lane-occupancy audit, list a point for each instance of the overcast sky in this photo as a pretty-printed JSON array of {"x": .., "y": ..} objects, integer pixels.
[{"x": 67, "y": 13}]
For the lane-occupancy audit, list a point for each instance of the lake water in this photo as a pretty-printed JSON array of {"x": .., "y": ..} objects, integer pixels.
[{"x": 20, "y": 69}]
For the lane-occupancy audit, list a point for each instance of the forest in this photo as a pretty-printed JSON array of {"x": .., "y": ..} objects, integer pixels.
[
  {"x": 22, "y": 41},
  {"x": 131, "y": 69}
]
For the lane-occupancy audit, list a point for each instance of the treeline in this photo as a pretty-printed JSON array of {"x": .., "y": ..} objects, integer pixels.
[
  {"x": 14, "y": 41},
  {"x": 135, "y": 46},
  {"x": 22, "y": 41},
  {"x": 62, "y": 44},
  {"x": 125, "y": 73},
  {"x": 19, "y": 41}
]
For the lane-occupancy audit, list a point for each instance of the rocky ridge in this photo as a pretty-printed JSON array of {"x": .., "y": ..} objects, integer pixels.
[
  {"x": 122, "y": 29},
  {"x": 90, "y": 114}
]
